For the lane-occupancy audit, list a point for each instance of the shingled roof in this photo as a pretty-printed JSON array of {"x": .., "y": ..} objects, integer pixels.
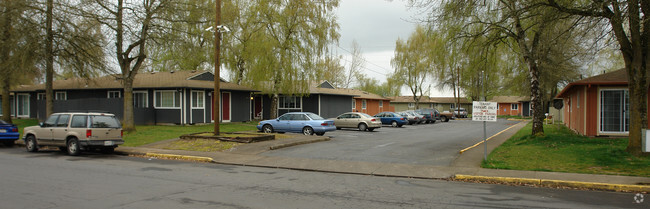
[
  {"x": 509, "y": 99},
  {"x": 178, "y": 79},
  {"x": 617, "y": 77}
]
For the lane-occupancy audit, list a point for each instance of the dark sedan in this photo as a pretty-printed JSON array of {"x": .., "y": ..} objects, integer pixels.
[{"x": 8, "y": 133}]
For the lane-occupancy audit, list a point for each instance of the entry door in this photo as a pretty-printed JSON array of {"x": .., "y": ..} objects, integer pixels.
[
  {"x": 257, "y": 107},
  {"x": 614, "y": 114},
  {"x": 225, "y": 106}
]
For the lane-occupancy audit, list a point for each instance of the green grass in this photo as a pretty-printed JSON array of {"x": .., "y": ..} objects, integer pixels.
[
  {"x": 150, "y": 134},
  {"x": 22, "y": 123},
  {"x": 561, "y": 150}
]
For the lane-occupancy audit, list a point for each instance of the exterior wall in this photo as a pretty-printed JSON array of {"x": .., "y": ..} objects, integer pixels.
[
  {"x": 591, "y": 110},
  {"x": 575, "y": 110},
  {"x": 334, "y": 105},
  {"x": 447, "y": 107},
  {"x": 372, "y": 106},
  {"x": 506, "y": 109},
  {"x": 400, "y": 106}
]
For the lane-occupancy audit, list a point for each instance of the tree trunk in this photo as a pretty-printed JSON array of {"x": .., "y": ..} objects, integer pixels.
[
  {"x": 274, "y": 106},
  {"x": 4, "y": 56},
  {"x": 128, "y": 124},
  {"x": 49, "y": 68},
  {"x": 6, "y": 102},
  {"x": 638, "y": 89}
]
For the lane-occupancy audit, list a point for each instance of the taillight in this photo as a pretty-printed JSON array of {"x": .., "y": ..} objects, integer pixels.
[
  {"x": 14, "y": 129},
  {"x": 323, "y": 124},
  {"x": 89, "y": 133},
  {"x": 373, "y": 120},
  {"x": 402, "y": 119},
  {"x": 121, "y": 133}
]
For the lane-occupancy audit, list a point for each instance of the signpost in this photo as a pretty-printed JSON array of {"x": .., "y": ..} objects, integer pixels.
[{"x": 484, "y": 111}]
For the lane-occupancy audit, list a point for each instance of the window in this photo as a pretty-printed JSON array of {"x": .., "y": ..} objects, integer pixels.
[
  {"x": 363, "y": 104},
  {"x": 40, "y": 96},
  {"x": 381, "y": 103},
  {"x": 167, "y": 99},
  {"x": 197, "y": 99},
  {"x": 63, "y": 121},
  {"x": 140, "y": 99},
  {"x": 578, "y": 104},
  {"x": 354, "y": 104},
  {"x": 452, "y": 106},
  {"x": 289, "y": 102},
  {"x": 114, "y": 94},
  {"x": 50, "y": 121},
  {"x": 514, "y": 106},
  {"x": 614, "y": 114},
  {"x": 60, "y": 95},
  {"x": 411, "y": 105},
  {"x": 23, "y": 105},
  {"x": 102, "y": 121},
  {"x": 78, "y": 121}
]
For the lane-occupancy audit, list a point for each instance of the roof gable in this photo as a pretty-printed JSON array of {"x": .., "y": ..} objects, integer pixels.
[{"x": 617, "y": 77}]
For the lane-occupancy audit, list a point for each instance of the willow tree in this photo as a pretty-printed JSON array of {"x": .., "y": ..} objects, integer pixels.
[
  {"x": 412, "y": 62},
  {"x": 628, "y": 21},
  {"x": 295, "y": 35}
]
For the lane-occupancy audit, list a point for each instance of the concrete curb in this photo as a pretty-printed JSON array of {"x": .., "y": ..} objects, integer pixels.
[
  {"x": 556, "y": 183},
  {"x": 280, "y": 146},
  {"x": 171, "y": 156}
]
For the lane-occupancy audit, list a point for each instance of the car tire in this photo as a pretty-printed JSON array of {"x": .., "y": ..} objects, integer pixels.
[
  {"x": 320, "y": 134},
  {"x": 9, "y": 143},
  {"x": 308, "y": 131},
  {"x": 399, "y": 125},
  {"x": 73, "y": 146},
  {"x": 371, "y": 129},
  {"x": 444, "y": 119},
  {"x": 362, "y": 127},
  {"x": 30, "y": 144},
  {"x": 433, "y": 121},
  {"x": 393, "y": 124},
  {"x": 107, "y": 150},
  {"x": 267, "y": 129}
]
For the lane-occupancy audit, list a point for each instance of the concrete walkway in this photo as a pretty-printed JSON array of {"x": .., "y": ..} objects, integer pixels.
[{"x": 466, "y": 167}]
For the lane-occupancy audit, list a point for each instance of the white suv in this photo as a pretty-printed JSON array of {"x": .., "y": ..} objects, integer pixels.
[{"x": 74, "y": 132}]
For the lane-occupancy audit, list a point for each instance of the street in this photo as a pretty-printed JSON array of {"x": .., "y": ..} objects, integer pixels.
[
  {"x": 422, "y": 144},
  {"x": 51, "y": 179}
]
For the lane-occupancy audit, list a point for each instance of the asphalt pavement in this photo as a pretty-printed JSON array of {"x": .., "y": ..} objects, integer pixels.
[{"x": 465, "y": 167}]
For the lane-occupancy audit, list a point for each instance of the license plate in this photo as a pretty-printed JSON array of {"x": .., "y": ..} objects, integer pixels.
[
  {"x": 3, "y": 131},
  {"x": 108, "y": 143}
]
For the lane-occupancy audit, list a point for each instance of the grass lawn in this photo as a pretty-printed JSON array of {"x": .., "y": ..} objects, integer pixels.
[
  {"x": 150, "y": 134},
  {"x": 561, "y": 150},
  {"x": 22, "y": 123}
]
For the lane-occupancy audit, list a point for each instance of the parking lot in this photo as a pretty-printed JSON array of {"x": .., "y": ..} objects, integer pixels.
[{"x": 422, "y": 144}]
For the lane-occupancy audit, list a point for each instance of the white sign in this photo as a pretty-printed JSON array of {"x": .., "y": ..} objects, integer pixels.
[{"x": 484, "y": 111}]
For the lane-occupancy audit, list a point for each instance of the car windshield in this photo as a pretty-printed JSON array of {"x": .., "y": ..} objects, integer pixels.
[
  {"x": 314, "y": 116},
  {"x": 103, "y": 121},
  {"x": 364, "y": 114}
]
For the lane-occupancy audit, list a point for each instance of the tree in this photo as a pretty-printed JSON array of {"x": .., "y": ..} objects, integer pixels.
[
  {"x": 131, "y": 23},
  {"x": 357, "y": 62},
  {"x": 629, "y": 23},
  {"x": 411, "y": 62},
  {"x": 330, "y": 69}
]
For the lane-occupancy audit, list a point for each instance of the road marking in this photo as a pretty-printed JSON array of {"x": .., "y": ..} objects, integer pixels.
[
  {"x": 481, "y": 142},
  {"x": 383, "y": 145}
]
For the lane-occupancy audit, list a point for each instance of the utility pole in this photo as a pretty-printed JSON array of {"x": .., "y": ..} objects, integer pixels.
[{"x": 216, "y": 96}]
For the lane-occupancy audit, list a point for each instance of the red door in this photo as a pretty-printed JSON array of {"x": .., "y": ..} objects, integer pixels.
[
  {"x": 225, "y": 106},
  {"x": 257, "y": 111}
]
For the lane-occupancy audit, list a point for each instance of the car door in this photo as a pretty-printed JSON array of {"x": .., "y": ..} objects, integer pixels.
[
  {"x": 343, "y": 121},
  {"x": 297, "y": 122},
  {"x": 282, "y": 123},
  {"x": 105, "y": 127},
  {"x": 354, "y": 121},
  {"x": 44, "y": 133},
  {"x": 60, "y": 130}
]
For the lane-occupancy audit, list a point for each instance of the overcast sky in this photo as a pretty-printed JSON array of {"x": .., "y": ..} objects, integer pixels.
[{"x": 376, "y": 25}]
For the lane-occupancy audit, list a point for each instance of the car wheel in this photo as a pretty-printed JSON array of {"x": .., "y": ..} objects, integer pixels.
[
  {"x": 362, "y": 126},
  {"x": 393, "y": 124},
  {"x": 308, "y": 131},
  {"x": 73, "y": 146},
  {"x": 267, "y": 129},
  {"x": 444, "y": 119},
  {"x": 107, "y": 150},
  {"x": 371, "y": 129},
  {"x": 433, "y": 121},
  {"x": 30, "y": 144},
  {"x": 320, "y": 134},
  {"x": 9, "y": 143}
]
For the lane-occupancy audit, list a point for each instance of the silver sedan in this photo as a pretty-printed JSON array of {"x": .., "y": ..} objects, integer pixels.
[{"x": 362, "y": 121}]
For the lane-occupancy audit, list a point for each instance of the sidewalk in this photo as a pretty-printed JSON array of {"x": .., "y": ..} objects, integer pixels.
[{"x": 466, "y": 167}]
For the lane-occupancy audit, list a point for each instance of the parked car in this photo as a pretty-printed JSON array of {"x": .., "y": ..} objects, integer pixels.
[
  {"x": 445, "y": 116},
  {"x": 299, "y": 122},
  {"x": 8, "y": 133},
  {"x": 459, "y": 112},
  {"x": 391, "y": 118},
  {"x": 421, "y": 118},
  {"x": 74, "y": 132},
  {"x": 431, "y": 115},
  {"x": 412, "y": 119},
  {"x": 358, "y": 120}
]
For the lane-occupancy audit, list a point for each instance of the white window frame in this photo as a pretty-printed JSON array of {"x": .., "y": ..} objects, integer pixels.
[
  {"x": 514, "y": 106},
  {"x": 58, "y": 98},
  {"x": 411, "y": 104},
  {"x": 354, "y": 104},
  {"x": 174, "y": 106},
  {"x": 40, "y": 96},
  {"x": 201, "y": 95},
  {"x": 119, "y": 94},
  {"x": 146, "y": 96},
  {"x": 18, "y": 101},
  {"x": 381, "y": 103},
  {"x": 600, "y": 114},
  {"x": 290, "y": 108},
  {"x": 364, "y": 103}
]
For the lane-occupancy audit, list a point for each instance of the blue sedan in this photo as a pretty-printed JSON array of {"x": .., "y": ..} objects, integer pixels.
[
  {"x": 8, "y": 133},
  {"x": 299, "y": 122},
  {"x": 391, "y": 118}
]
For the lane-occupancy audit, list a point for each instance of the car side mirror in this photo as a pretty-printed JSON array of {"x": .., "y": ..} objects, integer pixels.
[
  {"x": 277, "y": 119},
  {"x": 40, "y": 124}
]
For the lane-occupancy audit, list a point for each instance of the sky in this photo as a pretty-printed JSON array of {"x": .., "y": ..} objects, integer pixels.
[{"x": 376, "y": 25}]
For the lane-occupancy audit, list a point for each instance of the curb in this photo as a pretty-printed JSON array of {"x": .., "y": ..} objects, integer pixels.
[
  {"x": 556, "y": 183},
  {"x": 180, "y": 157},
  {"x": 280, "y": 146}
]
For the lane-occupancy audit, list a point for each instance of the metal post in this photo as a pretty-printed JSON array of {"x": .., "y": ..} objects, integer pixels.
[{"x": 484, "y": 124}]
